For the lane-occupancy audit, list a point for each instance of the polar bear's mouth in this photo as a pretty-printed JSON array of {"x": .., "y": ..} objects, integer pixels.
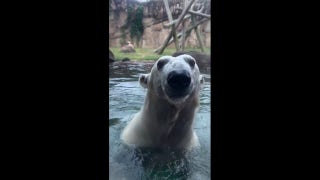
[
  {"x": 177, "y": 98},
  {"x": 177, "y": 95}
]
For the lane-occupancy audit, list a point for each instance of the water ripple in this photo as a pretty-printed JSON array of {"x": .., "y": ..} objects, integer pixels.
[{"x": 126, "y": 97}]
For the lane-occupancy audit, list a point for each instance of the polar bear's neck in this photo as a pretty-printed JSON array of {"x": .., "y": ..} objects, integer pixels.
[{"x": 169, "y": 122}]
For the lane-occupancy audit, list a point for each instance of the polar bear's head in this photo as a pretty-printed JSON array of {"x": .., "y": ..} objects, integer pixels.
[{"x": 173, "y": 78}]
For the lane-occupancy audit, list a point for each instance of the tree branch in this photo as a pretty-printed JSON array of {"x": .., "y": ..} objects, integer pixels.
[
  {"x": 175, "y": 21},
  {"x": 161, "y": 49},
  {"x": 196, "y": 13},
  {"x": 166, "y": 4},
  {"x": 187, "y": 31},
  {"x": 199, "y": 14}
]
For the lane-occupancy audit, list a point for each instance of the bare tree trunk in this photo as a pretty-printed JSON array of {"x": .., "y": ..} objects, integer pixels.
[
  {"x": 161, "y": 49},
  {"x": 166, "y": 4},
  {"x": 183, "y": 36},
  {"x": 196, "y": 29}
]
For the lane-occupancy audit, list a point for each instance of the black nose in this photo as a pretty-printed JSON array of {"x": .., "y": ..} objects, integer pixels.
[{"x": 179, "y": 80}]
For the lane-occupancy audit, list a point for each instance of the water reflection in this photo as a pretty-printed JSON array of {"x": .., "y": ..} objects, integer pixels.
[{"x": 125, "y": 99}]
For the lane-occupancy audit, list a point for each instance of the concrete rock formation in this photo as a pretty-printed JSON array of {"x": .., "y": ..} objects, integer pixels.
[
  {"x": 129, "y": 48},
  {"x": 111, "y": 56}
]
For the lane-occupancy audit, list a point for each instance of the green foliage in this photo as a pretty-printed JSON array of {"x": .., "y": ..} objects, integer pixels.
[
  {"x": 147, "y": 53},
  {"x": 138, "y": 23},
  {"x": 123, "y": 37},
  {"x": 135, "y": 23},
  {"x": 130, "y": 12}
]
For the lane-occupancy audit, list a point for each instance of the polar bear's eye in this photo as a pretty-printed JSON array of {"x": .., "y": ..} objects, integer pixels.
[
  {"x": 161, "y": 63},
  {"x": 190, "y": 61}
]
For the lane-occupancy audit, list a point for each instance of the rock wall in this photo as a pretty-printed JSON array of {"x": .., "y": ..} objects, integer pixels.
[{"x": 154, "y": 18}]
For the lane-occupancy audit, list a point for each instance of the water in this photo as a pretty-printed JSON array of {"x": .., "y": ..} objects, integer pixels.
[{"x": 126, "y": 97}]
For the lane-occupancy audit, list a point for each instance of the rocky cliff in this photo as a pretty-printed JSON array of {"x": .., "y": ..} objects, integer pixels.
[{"x": 154, "y": 18}]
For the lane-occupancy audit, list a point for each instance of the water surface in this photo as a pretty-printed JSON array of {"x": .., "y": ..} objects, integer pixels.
[{"x": 126, "y": 97}]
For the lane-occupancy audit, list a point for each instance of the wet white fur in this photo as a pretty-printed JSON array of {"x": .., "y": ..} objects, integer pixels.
[{"x": 164, "y": 122}]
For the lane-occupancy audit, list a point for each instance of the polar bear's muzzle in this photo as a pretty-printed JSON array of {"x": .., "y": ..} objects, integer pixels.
[
  {"x": 179, "y": 82},
  {"x": 179, "y": 79}
]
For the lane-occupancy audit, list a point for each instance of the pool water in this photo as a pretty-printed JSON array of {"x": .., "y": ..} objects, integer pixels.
[{"x": 126, "y": 97}]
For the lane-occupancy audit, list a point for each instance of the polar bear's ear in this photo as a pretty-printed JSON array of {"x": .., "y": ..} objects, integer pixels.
[
  {"x": 190, "y": 60},
  {"x": 162, "y": 61},
  {"x": 201, "y": 79},
  {"x": 143, "y": 80}
]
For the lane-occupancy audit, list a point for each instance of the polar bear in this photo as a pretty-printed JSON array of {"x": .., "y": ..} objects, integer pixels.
[{"x": 166, "y": 118}]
